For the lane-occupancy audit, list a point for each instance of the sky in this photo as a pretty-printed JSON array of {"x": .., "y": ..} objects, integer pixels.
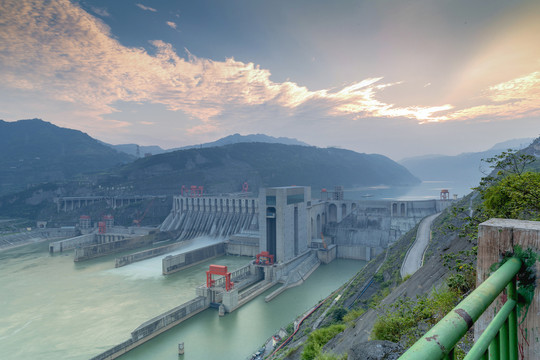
[{"x": 398, "y": 78}]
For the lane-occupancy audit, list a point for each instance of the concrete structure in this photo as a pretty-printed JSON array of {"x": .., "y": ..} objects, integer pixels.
[
  {"x": 26, "y": 237},
  {"x": 373, "y": 225},
  {"x": 244, "y": 244},
  {"x": 94, "y": 245},
  {"x": 217, "y": 216},
  {"x": 174, "y": 263},
  {"x": 247, "y": 285},
  {"x": 156, "y": 326},
  {"x": 495, "y": 238},
  {"x": 283, "y": 221},
  {"x": 110, "y": 244},
  {"x": 70, "y": 203},
  {"x": 289, "y": 225}
]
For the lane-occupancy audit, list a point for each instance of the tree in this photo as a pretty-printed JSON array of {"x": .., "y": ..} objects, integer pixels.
[{"x": 516, "y": 196}]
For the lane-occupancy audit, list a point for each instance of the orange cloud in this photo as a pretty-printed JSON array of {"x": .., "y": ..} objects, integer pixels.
[
  {"x": 75, "y": 59},
  {"x": 519, "y": 97}
]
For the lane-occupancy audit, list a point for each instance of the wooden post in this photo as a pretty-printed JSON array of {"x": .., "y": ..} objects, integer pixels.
[{"x": 495, "y": 237}]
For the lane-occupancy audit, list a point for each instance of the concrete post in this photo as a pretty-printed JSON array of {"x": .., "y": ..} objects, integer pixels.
[{"x": 495, "y": 237}]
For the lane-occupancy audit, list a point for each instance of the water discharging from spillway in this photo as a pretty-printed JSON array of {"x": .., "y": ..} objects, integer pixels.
[{"x": 52, "y": 308}]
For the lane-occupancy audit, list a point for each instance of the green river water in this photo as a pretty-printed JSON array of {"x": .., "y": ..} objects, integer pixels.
[{"x": 53, "y": 308}]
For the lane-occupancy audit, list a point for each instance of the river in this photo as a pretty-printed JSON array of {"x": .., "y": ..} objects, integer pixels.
[
  {"x": 53, "y": 308},
  {"x": 425, "y": 190}
]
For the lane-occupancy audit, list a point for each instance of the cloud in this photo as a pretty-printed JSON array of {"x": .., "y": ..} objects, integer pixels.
[
  {"x": 518, "y": 97},
  {"x": 171, "y": 24},
  {"x": 146, "y": 8},
  {"x": 100, "y": 11},
  {"x": 76, "y": 60}
]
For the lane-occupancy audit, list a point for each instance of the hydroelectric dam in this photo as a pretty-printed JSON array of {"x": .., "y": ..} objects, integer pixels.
[{"x": 287, "y": 232}]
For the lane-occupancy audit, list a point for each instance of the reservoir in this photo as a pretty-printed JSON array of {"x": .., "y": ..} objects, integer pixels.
[{"x": 53, "y": 308}]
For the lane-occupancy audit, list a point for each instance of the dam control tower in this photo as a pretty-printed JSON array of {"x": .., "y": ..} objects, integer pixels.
[{"x": 283, "y": 221}]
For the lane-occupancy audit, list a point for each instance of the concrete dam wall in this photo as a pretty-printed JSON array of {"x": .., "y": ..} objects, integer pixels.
[
  {"x": 174, "y": 263},
  {"x": 374, "y": 225},
  {"x": 212, "y": 216}
]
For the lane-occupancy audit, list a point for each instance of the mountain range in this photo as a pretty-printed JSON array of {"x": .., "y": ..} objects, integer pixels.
[
  {"x": 142, "y": 150},
  {"x": 465, "y": 168},
  {"x": 35, "y": 151},
  {"x": 226, "y": 168}
]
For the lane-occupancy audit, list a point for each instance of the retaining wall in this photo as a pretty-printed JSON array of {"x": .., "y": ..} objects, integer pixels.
[
  {"x": 70, "y": 244},
  {"x": 146, "y": 254},
  {"x": 97, "y": 250},
  {"x": 156, "y": 326},
  {"x": 174, "y": 263}
]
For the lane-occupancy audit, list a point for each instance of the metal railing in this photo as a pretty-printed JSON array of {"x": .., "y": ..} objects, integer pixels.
[{"x": 499, "y": 339}]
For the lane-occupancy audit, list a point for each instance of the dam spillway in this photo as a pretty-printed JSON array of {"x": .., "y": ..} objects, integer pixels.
[{"x": 215, "y": 216}]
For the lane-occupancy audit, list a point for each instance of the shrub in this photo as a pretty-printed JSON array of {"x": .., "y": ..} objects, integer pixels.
[
  {"x": 317, "y": 339},
  {"x": 400, "y": 321},
  {"x": 352, "y": 315}
]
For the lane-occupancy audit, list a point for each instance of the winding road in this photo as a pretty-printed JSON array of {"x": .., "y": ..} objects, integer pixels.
[{"x": 413, "y": 258}]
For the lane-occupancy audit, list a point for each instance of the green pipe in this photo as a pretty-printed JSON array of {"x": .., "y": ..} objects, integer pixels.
[
  {"x": 503, "y": 343},
  {"x": 490, "y": 333},
  {"x": 494, "y": 348},
  {"x": 444, "y": 335},
  {"x": 512, "y": 322},
  {"x": 504, "y": 339}
]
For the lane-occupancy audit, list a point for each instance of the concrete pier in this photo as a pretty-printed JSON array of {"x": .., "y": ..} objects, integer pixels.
[
  {"x": 174, "y": 263},
  {"x": 156, "y": 326},
  {"x": 243, "y": 244},
  {"x": 115, "y": 244},
  {"x": 146, "y": 254},
  {"x": 72, "y": 243}
]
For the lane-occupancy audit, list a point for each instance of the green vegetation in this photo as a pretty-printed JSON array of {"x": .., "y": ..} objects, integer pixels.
[
  {"x": 526, "y": 277},
  {"x": 400, "y": 320},
  {"x": 351, "y": 316},
  {"x": 511, "y": 191},
  {"x": 463, "y": 270},
  {"x": 517, "y": 196},
  {"x": 317, "y": 339},
  {"x": 326, "y": 356},
  {"x": 225, "y": 168},
  {"x": 35, "y": 151}
]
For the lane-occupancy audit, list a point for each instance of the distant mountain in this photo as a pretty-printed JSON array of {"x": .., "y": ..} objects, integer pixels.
[
  {"x": 138, "y": 150},
  {"x": 466, "y": 168},
  {"x": 141, "y": 151},
  {"x": 237, "y": 138},
  {"x": 516, "y": 144},
  {"x": 34, "y": 151},
  {"x": 225, "y": 168}
]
